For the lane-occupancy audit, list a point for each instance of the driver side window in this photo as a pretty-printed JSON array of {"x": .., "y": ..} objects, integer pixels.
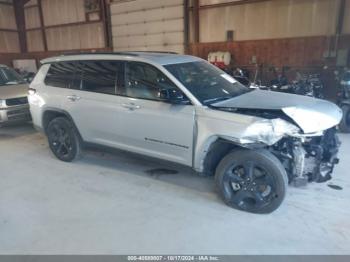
[{"x": 144, "y": 81}]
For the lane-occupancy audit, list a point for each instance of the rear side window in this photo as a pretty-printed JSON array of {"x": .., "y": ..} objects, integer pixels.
[
  {"x": 60, "y": 74},
  {"x": 98, "y": 76}
]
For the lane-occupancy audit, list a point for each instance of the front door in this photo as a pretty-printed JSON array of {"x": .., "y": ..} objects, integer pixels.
[{"x": 149, "y": 125}]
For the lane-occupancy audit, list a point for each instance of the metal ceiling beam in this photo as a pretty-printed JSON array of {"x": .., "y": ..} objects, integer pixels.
[{"x": 241, "y": 2}]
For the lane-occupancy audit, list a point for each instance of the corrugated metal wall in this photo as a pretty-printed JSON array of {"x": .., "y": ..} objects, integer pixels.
[
  {"x": 65, "y": 25},
  {"x": 9, "y": 42},
  {"x": 271, "y": 19},
  {"x": 148, "y": 25}
]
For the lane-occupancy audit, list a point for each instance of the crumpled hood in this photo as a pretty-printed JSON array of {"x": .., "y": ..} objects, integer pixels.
[
  {"x": 311, "y": 114},
  {"x": 13, "y": 91}
]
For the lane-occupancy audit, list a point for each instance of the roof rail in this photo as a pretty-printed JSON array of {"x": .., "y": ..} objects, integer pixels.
[
  {"x": 98, "y": 53},
  {"x": 156, "y": 52},
  {"x": 131, "y": 53}
]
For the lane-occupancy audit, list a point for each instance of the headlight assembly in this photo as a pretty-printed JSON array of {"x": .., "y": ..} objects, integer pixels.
[{"x": 269, "y": 131}]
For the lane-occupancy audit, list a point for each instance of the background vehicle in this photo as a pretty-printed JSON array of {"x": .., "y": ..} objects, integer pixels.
[
  {"x": 13, "y": 97},
  {"x": 182, "y": 109},
  {"x": 343, "y": 79}
]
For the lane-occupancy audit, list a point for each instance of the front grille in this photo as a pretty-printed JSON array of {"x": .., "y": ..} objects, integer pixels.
[
  {"x": 18, "y": 114},
  {"x": 17, "y": 101}
]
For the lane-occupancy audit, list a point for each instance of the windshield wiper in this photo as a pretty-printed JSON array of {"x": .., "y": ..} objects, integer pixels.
[
  {"x": 217, "y": 99},
  {"x": 12, "y": 83}
]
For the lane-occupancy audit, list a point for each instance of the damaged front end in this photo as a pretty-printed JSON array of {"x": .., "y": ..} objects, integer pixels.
[
  {"x": 308, "y": 158},
  {"x": 300, "y": 131}
]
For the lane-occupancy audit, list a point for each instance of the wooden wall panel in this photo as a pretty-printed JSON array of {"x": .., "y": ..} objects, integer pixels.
[
  {"x": 295, "y": 52},
  {"x": 32, "y": 18},
  {"x": 35, "y": 41},
  {"x": 7, "y": 17},
  {"x": 63, "y": 11},
  {"x": 75, "y": 37},
  {"x": 9, "y": 42}
]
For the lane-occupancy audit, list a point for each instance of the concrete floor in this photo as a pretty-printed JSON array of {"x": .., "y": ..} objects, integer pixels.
[{"x": 108, "y": 204}]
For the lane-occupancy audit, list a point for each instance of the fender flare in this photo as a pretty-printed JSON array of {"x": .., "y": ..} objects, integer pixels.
[
  {"x": 211, "y": 142},
  {"x": 60, "y": 112}
]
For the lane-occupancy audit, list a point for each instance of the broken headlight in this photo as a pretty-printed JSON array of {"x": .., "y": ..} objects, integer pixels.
[{"x": 269, "y": 131}]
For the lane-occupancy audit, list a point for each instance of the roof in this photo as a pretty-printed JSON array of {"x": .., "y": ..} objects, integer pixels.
[{"x": 154, "y": 57}]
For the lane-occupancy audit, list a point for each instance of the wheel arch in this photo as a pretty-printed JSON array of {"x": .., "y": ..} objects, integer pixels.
[
  {"x": 214, "y": 150},
  {"x": 52, "y": 113}
]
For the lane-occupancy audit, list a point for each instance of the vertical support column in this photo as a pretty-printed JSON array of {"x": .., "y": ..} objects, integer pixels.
[
  {"x": 186, "y": 26},
  {"x": 196, "y": 21},
  {"x": 43, "y": 32},
  {"x": 106, "y": 20},
  {"x": 20, "y": 21}
]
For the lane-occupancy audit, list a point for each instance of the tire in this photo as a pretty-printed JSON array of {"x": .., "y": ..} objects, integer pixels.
[
  {"x": 252, "y": 180},
  {"x": 344, "y": 125},
  {"x": 64, "y": 140}
]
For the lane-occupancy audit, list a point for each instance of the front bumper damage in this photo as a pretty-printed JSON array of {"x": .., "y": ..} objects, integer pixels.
[{"x": 308, "y": 159}]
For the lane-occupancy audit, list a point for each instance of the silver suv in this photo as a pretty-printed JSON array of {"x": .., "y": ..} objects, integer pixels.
[{"x": 182, "y": 109}]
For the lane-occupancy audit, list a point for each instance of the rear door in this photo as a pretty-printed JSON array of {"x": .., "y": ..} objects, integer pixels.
[{"x": 92, "y": 102}]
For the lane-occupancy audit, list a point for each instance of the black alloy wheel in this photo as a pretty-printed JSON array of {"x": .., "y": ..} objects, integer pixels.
[
  {"x": 63, "y": 139},
  {"x": 253, "y": 181}
]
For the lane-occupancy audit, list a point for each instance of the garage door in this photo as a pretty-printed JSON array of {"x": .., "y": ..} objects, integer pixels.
[{"x": 148, "y": 25}]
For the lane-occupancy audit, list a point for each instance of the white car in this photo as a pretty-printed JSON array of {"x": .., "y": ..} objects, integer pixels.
[{"x": 182, "y": 109}]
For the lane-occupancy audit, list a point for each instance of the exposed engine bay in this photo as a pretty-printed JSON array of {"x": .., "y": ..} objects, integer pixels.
[{"x": 310, "y": 158}]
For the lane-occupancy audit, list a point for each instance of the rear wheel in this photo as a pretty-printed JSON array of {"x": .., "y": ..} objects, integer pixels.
[
  {"x": 345, "y": 122},
  {"x": 63, "y": 139},
  {"x": 253, "y": 181}
]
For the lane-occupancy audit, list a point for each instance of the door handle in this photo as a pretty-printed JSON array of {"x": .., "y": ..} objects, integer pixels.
[
  {"x": 73, "y": 98},
  {"x": 131, "y": 106}
]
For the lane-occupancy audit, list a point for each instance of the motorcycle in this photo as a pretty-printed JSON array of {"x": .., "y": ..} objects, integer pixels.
[
  {"x": 343, "y": 98},
  {"x": 307, "y": 85},
  {"x": 242, "y": 76}
]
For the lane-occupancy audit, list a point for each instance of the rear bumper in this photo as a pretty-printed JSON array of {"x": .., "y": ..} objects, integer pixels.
[{"x": 14, "y": 114}]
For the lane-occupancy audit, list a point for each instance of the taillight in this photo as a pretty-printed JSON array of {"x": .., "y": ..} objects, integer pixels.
[{"x": 31, "y": 91}]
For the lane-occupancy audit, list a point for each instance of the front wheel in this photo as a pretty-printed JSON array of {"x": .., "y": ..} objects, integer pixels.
[
  {"x": 344, "y": 125},
  {"x": 252, "y": 180}
]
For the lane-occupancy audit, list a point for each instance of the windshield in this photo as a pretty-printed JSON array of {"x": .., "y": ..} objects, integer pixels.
[
  {"x": 9, "y": 76},
  {"x": 206, "y": 82}
]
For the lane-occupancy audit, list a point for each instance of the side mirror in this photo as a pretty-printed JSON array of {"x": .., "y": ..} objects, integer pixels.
[{"x": 174, "y": 96}]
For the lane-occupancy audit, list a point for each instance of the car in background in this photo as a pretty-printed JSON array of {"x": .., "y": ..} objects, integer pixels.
[{"x": 14, "y": 107}]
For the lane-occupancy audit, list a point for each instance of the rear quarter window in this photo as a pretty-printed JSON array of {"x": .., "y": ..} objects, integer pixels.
[{"x": 60, "y": 75}]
